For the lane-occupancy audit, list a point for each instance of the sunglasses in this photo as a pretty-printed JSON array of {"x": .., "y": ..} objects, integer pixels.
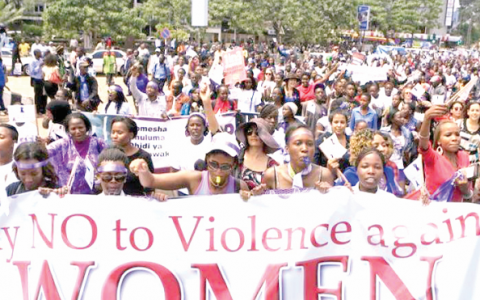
[
  {"x": 216, "y": 166},
  {"x": 108, "y": 178},
  {"x": 456, "y": 108},
  {"x": 268, "y": 74},
  {"x": 251, "y": 130}
]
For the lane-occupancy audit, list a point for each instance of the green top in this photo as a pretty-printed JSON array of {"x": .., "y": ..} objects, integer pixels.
[{"x": 109, "y": 64}]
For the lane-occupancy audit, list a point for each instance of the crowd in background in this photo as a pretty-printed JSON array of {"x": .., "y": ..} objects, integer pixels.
[{"x": 292, "y": 102}]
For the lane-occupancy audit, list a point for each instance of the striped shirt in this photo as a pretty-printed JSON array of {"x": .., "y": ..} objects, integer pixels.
[{"x": 469, "y": 141}]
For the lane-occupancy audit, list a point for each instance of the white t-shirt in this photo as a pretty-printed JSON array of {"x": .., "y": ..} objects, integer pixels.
[
  {"x": 248, "y": 100},
  {"x": 124, "y": 109},
  {"x": 189, "y": 154},
  {"x": 143, "y": 52},
  {"x": 7, "y": 177}
]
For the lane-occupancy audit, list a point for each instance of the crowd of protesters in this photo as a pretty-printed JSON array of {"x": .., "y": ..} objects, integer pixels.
[{"x": 291, "y": 102}]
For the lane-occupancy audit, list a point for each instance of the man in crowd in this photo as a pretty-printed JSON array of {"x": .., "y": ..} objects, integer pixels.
[
  {"x": 36, "y": 75},
  {"x": 86, "y": 89},
  {"x": 160, "y": 72},
  {"x": 24, "y": 48},
  {"x": 150, "y": 104}
]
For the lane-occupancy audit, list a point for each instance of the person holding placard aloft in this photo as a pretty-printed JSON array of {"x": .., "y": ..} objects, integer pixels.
[{"x": 443, "y": 158}]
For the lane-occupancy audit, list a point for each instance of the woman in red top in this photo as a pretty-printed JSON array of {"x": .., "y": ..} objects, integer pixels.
[
  {"x": 444, "y": 158},
  {"x": 306, "y": 89},
  {"x": 223, "y": 104}
]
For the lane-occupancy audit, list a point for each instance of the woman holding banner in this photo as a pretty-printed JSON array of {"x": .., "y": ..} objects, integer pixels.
[
  {"x": 75, "y": 156},
  {"x": 123, "y": 131},
  {"x": 112, "y": 171},
  {"x": 370, "y": 164},
  {"x": 33, "y": 169},
  {"x": 300, "y": 173},
  {"x": 221, "y": 160},
  {"x": 254, "y": 158}
]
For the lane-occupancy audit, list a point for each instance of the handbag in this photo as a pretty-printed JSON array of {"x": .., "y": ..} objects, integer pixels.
[{"x": 55, "y": 77}]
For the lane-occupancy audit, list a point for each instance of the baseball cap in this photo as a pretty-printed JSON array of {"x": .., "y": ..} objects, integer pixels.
[{"x": 224, "y": 142}]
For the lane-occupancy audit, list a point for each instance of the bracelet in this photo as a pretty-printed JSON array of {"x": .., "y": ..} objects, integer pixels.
[
  {"x": 469, "y": 195},
  {"x": 423, "y": 137}
]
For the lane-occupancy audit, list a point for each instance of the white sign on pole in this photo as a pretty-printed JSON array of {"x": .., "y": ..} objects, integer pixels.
[{"x": 200, "y": 13}]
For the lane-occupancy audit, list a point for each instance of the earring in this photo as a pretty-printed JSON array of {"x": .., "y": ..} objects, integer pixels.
[{"x": 440, "y": 150}]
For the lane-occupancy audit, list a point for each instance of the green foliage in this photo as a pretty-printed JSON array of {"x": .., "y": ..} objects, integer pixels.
[
  {"x": 66, "y": 18},
  {"x": 9, "y": 13},
  {"x": 31, "y": 30},
  {"x": 175, "y": 13},
  {"x": 470, "y": 19},
  {"x": 310, "y": 21},
  {"x": 403, "y": 15}
]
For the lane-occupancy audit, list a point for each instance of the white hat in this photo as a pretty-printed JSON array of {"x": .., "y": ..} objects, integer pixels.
[
  {"x": 292, "y": 106},
  {"x": 225, "y": 142},
  {"x": 158, "y": 50}
]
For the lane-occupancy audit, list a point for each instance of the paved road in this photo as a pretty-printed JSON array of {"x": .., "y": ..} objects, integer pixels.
[{"x": 21, "y": 85}]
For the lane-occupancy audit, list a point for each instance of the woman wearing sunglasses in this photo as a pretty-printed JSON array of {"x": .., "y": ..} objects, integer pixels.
[
  {"x": 266, "y": 86},
  {"x": 221, "y": 160},
  {"x": 112, "y": 171},
  {"x": 257, "y": 144},
  {"x": 456, "y": 110}
]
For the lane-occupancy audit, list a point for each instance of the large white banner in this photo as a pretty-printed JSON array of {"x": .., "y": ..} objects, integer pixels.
[
  {"x": 305, "y": 246},
  {"x": 161, "y": 138}
]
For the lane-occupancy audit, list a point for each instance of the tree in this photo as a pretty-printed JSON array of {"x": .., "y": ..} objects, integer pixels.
[
  {"x": 469, "y": 14},
  {"x": 67, "y": 18},
  {"x": 9, "y": 13},
  {"x": 176, "y": 13},
  {"x": 403, "y": 15},
  {"x": 312, "y": 20}
]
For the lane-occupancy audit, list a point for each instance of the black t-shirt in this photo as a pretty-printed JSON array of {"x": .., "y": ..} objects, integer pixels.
[
  {"x": 132, "y": 186},
  {"x": 18, "y": 188}
]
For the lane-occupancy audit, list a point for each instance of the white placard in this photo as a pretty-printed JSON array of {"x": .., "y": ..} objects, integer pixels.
[
  {"x": 418, "y": 91},
  {"x": 22, "y": 113},
  {"x": 332, "y": 148},
  {"x": 438, "y": 99}
]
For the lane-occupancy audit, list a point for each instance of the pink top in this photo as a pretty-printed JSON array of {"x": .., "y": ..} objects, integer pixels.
[
  {"x": 438, "y": 170},
  {"x": 204, "y": 187}
]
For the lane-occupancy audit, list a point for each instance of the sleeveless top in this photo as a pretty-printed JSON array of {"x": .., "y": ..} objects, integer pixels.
[
  {"x": 204, "y": 188},
  {"x": 277, "y": 191}
]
